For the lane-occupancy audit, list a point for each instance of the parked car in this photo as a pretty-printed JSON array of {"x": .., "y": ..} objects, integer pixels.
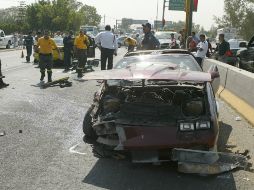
[
  {"x": 164, "y": 38},
  {"x": 6, "y": 40},
  {"x": 151, "y": 103},
  {"x": 246, "y": 57},
  {"x": 237, "y": 44}
]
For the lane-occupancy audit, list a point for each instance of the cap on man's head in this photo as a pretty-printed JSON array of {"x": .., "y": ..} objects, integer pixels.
[
  {"x": 107, "y": 27},
  {"x": 147, "y": 25}
]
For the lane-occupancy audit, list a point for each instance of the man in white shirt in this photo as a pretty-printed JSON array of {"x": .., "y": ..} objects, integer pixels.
[
  {"x": 202, "y": 48},
  {"x": 108, "y": 45}
]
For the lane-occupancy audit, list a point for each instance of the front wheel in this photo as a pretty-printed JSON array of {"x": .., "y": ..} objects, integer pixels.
[{"x": 87, "y": 124}]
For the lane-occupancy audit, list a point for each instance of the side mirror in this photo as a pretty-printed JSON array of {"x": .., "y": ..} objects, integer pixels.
[
  {"x": 214, "y": 72},
  {"x": 215, "y": 76}
]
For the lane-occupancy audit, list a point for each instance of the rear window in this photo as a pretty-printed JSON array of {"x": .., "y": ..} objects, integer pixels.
[{"x": 183, "y": 62}]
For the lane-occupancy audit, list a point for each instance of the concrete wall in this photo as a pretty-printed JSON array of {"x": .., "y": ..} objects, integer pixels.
[
  {"x": 236, "y": 87},
  {"x": 237, "y": 81}
]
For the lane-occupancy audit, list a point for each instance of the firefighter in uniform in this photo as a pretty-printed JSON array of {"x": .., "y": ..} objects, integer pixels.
[
  {"x": 150, "y": 42},
  {"x": 68, "y": 48},
  {"x": 29, "y": 42},
  {"x": 46, "y": 46},
  {"x": 81, "y": 44},
  {"x": 131, "y": 43}
]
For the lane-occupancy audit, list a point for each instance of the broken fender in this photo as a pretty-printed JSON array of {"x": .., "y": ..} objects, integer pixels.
[{"x": 207, "y": 162}]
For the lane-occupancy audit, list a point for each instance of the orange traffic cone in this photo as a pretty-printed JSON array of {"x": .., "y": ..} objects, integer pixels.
[{"x": 22, "y": 54}]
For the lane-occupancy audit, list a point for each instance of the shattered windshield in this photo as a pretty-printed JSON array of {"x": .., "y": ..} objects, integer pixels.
[{"x": 182, "y": 62}]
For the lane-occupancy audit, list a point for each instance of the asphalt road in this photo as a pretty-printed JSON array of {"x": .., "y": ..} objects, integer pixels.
[{"x": 43, "y": 148}]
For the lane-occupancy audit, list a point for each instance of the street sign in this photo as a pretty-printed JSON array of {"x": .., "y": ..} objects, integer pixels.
[
  {"x": 179, "y": 5},
  {"x": 176, "y": 5}
]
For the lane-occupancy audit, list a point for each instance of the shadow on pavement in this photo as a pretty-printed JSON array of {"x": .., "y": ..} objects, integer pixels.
[
  {"x": 224, "y": 134},
  {"x": 115, "y": 175}
]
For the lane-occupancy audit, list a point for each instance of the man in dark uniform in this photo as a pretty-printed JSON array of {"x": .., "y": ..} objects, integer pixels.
[
  {"x": 149, "y": 42},
  {"x": 29, "y": 42},
  {"x": 68, "y": 42},
  {"x": 222, "y": 47}
]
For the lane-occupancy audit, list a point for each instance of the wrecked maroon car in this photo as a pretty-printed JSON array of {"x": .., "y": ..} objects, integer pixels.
[{"x": 153, "y": 102}]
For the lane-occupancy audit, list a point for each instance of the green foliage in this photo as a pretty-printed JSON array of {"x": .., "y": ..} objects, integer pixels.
[
  {"x": 51, "y": 15},
  {"x": 238, "y": 14}
]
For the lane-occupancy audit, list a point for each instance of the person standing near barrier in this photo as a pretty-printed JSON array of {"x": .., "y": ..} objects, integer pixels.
[
  {"x": 107, "y": 43},
  {"x": 202, "y": 48},
  {"x": 81, "y": 44},
  {"x": 29, "y": 42},
  {"x": 46, "y": 46},
  {"x": 222, "y": 48},
  {"x": 173, "y": 44},
  {"x": 68, "y": 48}
]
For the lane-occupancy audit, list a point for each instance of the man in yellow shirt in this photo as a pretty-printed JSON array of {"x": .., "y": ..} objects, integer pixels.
[
  {"x": 81, "y": 44},
  {"x": 46, "y": 46},
  {"x": 131, "y": 43}
]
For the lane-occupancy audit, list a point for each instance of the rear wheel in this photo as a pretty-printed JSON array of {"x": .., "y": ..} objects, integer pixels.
[{"x": 8, "y": 45}]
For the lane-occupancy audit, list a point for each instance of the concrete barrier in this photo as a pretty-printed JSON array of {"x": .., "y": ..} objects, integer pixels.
[{"x": 236, "y": 87}]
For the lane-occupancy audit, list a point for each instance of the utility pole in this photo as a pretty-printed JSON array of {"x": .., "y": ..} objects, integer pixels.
[
  {"x": 189, "y": 13},
  {"x": 104, "y": 20},
  {"x": 157, "y": 16},
  {"x": 163, "y": 12}
]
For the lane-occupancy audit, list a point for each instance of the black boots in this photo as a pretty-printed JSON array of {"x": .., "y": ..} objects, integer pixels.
[
  {"x": 42, "y": 75},
  {"x": 79, "y": 71},
  {"x": 49, "y": 76}
]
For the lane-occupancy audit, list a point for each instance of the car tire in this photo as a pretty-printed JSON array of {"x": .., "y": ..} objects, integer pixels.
[
  {"x": 119, "y": 45},
  {"x": 239, "y": 63},
  {"x": 87, "y": 124},
  {"x": 8, "y": 46}
]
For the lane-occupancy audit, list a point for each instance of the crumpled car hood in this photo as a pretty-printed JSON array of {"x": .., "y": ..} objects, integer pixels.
[{"x": 165, "y": 71}]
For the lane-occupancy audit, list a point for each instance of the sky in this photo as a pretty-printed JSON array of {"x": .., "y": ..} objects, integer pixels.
[{"x": 145, "y": 10}]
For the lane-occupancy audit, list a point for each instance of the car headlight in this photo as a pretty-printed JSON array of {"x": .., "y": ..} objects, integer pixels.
[
  {"x": 203, "y": 125},
  {"x": 187, "y": 127}
]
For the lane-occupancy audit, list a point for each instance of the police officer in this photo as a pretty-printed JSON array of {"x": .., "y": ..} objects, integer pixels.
[
  {"x": 46, "y": 46},
  {"x": 222, "y": 48},
  {"x": 29, "y": 42},
  {"x": 81, "y": 44},
  {"x": 68, "y": 48},
  {"x": 150, "y": 42}
]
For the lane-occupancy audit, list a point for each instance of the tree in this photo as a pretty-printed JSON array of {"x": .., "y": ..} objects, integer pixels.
[
  {"x": 61, "y": 15},
  {"x": 238, "y": 14},
  {"x": 90, "y": 15}
]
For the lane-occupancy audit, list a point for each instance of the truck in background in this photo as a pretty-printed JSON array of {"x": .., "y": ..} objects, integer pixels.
[
  {"x": 6, "y": 40},
  {"x": 92, "y": 31},
  {"x": 229, "y": 33}
]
